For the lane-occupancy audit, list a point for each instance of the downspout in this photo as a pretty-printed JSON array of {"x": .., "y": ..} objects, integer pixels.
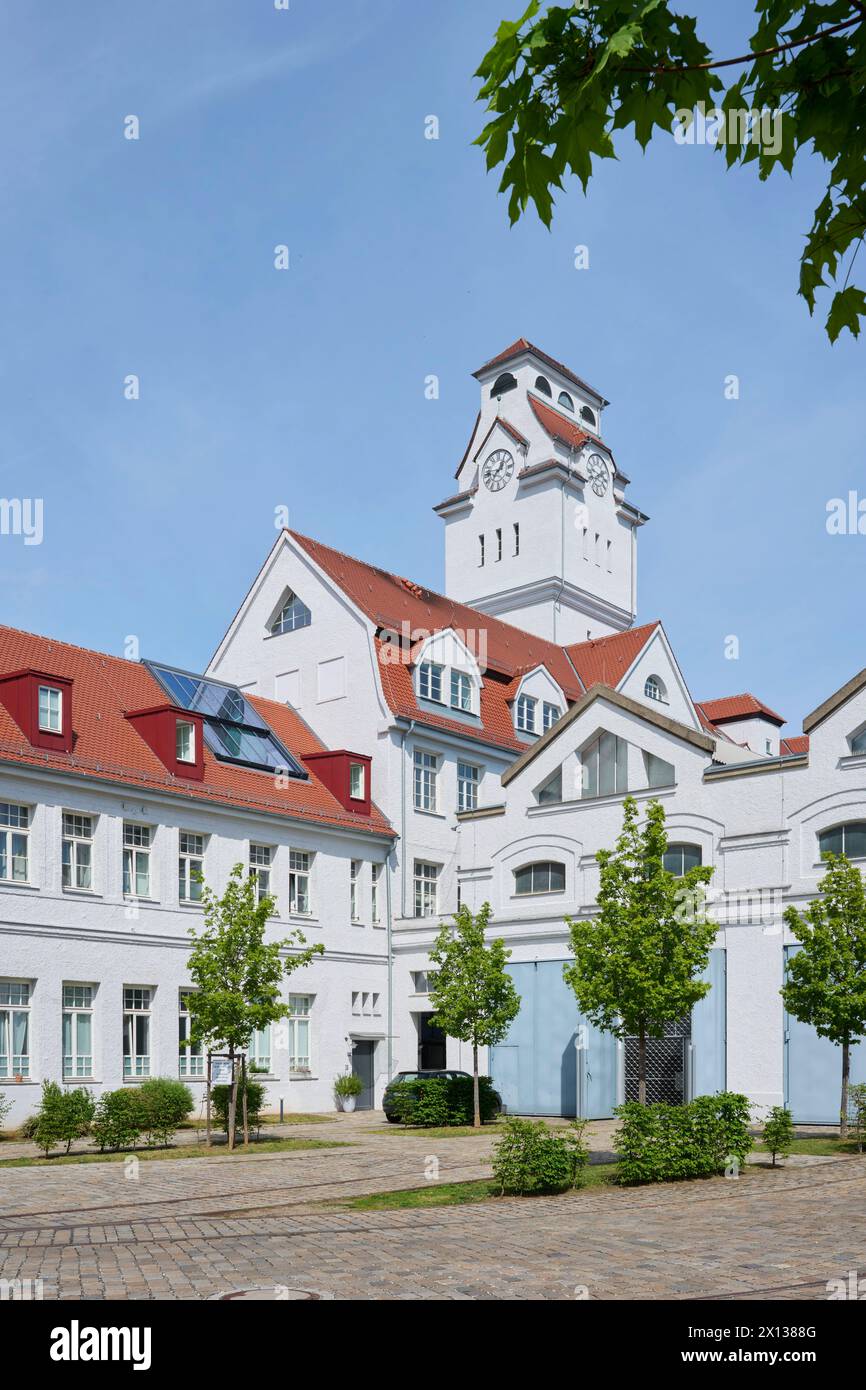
[
  {"x": 406, "y": 733},
  {"x": 388, "y": 947}
]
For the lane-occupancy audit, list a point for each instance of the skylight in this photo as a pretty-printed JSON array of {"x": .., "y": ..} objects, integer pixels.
[{"x": 233, "y": 730}]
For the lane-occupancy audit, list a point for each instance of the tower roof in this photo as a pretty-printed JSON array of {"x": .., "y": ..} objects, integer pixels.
[{"x": 523, "y": 345}]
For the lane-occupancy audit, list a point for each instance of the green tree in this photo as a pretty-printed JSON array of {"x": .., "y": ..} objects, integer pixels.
[
  {"x": 637, "y": 961},
  {"x": 473, "y": 995},
  {"x": 778, "y": 1135},
  {"x": 826, "y": 979},
  {"x": 236, "y": 973},
  {"x": 561, "y": 83}
]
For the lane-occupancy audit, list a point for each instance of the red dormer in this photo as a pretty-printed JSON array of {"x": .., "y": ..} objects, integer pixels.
[
  {"x": 41, "y": 705},
  {"x": 346, "y": 775},
  {"x": 176, "y": 737}
]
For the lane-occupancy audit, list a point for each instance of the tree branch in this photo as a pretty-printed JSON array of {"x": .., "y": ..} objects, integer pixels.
[{"x": 762, "y": 53}]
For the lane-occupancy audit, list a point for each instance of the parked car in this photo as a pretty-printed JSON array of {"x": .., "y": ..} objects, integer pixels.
[{"x": 387, "y": 1099}]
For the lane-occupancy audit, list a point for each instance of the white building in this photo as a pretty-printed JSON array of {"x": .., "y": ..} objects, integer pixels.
[{"x": 498, "y": 729}]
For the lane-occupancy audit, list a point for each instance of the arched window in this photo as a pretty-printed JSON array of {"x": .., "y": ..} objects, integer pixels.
[
  {"x": 565, "y": 401},
  {"x": 543, "y": 385},
  {"x": 847, "y": 839},
  {"x": 654, "y": 688},
  {"x": 544, "y": 877},
  {"x": 678, "y": 859},
  {"x": 503, "y": 383},
  {"x": 293, "y": 614},
  {"x": 588, "y": 415}
]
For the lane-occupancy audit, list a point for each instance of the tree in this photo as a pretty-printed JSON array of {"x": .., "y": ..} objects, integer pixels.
[
  {"x": 636, "y": 964},
  {"x": 560, "y": 84},
  {"x": 236, "y": 973},
  {"x": 826, "y": 979},
  {"x": 778, "y": 1132},
  {"x": 473, "y": 996}
]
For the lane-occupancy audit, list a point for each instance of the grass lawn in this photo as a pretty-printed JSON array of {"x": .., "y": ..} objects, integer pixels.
[
  {"x": 260, "y": 1146},
  {"x": 445, "y": 1132},
  {"x": 456, "y": 1194},
  {"x": 819, "y": 1145}
]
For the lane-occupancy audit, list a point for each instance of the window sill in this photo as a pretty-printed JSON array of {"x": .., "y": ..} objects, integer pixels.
[
  {"x": 185, "y": 903},
  {"x": 302, "y": 1076},
  {"x": 543, "y": 893},
  {"x": 131, "y": 902},
  {"x": 435, "y": 815},
  {"x": 80, "y": 892},
  {"x": 10, "y": 1081},
  {"x": 14, "y": 883},
  {"x": 81, "y": 1081}
]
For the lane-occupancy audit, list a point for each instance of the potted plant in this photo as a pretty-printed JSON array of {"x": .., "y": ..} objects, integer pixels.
[{"x": 347, "y": 1088}]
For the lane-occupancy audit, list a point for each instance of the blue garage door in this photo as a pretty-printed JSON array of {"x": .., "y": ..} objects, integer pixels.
[
  {"x": 538, "y": 1069},
  {"x": 813, "y": 1071},
  {"x": 709, "y": 1032}
]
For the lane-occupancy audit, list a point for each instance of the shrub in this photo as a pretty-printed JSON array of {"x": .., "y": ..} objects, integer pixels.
[
  {"x": 779, "y": 1132},
  {"x": 119, "y": 1118},
  {"x": 221, "y": 1098},
  {"x": 857, "y": 1113},
  {"x": 5, "y": 1107},
  {"x": 165, "y": 1104},
  {"x": 62, "y": 1116},
  {"x": 348, "y": 1084},
  {"x": 531, "y": 1158},
  {"x": 440, "y": 1101},
  {"x": 27, "y": 1130},
  {"x": 663, "y": 1143}
]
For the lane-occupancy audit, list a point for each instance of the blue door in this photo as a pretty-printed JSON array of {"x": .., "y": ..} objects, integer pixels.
[
  {"x": 709, "y": 1032},
  {"x": 813, "y": 1071},
  {"x": 549, "y": 1064}
]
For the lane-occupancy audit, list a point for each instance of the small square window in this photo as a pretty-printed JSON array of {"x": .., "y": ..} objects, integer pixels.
[
  {"x": 50, "y": 709},
  {"x": 185, "y": 741}
]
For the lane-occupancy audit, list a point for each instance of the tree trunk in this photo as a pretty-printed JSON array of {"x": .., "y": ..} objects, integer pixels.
[
  {"x": 476, "y": 1103},
  {"x": 846, "y": 1075},
  {"x": 233, "y": 1100},
  {"x": 641, "y": 1065}
]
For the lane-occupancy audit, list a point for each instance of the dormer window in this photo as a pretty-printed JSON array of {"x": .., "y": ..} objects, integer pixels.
[
  {"x": 654, "y": 688},
  {"x": 549, "y": 715},
  {"x": 588, "y": 415},
  {"x": 564, "y": 399},
  {"x": 184, "y": 741},
  {"x": 50, "y": 709},
  {"x": 526, "y": 707},
  {"x": 356, "y": 781},
  {"x": 461, "y": 691},
  {"x": 503, "y": 383},
  {"x": 292, "y": 615},
  {"x": 430, "y": 681},
  {"x": 543, "y": 385}
]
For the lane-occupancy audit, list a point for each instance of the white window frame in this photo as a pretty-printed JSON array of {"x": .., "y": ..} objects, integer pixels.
[
  {"x": 137, "y": 848},
  {"x": 51, "y": 721},
  {"x": 293, "y": 615},
  {"x": 426, "y": 888},
  {"x": 300, "y": 874},
  {"x": 300, "y": 1012},
  {"x": 357, "y": 781},
  {"x": 190, "y": 860},
  {"x": 375, "y": 872},
  {"x": 426, "y": 781},
  {"x": 550, "y": 713},
  {"x": 137, "y": 1007},
  {"x": 191, "y": 1059},
  {"x": 184, "y": 749},
  {"x": 430, "y": 677},
  {"x": 77, "y": 829},
  {"x": 461, "y": 692},
  {"x": 354, "y": 883},
  {"x": 15, "y": 1003},
  {"x": 14, "y": 841},
  {"x": 76, "y": 1003},
  {"x": 261, "y": 862},
  {"x": 260, "y": 1051},
  {"x": 525, "y": 714},
  {"x": 468, "y": 782}
]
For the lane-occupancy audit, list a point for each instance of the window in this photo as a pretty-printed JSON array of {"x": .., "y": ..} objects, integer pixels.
[
  {"x": 517, "y": 537},
  {"x": 503, "y": 383},
  {"x": 292, "y": 615},
  {"x": 481, "y": 550},
  {"x": 14, "y": 1028},
  {"x": 77, "y": 1031},
  {"x": 658, "y": 772},
  {"x": 543, "y": 385},
  {"x": 375, "y": 871},
  {"x": 190, "y": 862},
  {"x": 136, "y": 1030},
  {"x": 136, "y": 860},
  {"x": 847, "y": 839},
  {"x": 588, "y": 415},
  {"x": 14, "y": 836},
  {"x": 461, "y": 691},
  {"x": 858, "y": 742},
  {"x": 654, "y": 688},
  {"x": 549, "y": 715},
  {"x": 365, "y": 1004},
  {"x": 357, "y": 781},
  {"x": 499, "y": 542},
  {"x": 551, "y": 790},
  {"x": 526, "y": 714},
  {"x": 191, "y": 1059},
  {"x": 426, "y": 765},
  {"x": 564, "y": 399},
  {"x": 430, "y": 681},
  {"x": 426, "y": 880},
  {"x": 423, "y": 981},
  {"x": 184, "y": 741},
  {"x": 467, "y": 787},
  {"x": 77, "y": 851},
  {"x": 354, "y": 875},
  {"x": 300, "y": 1006},
  {"x": 299, "y": 882},
  {"x": 605, "y": 766},
  {"x": 259, "y": 1050},
  {"x": 260, "y": 869},
  {"x": 50, "y": 709},
  {"x": 678, "y": 859},
  {"x": 545, "y": 877}
]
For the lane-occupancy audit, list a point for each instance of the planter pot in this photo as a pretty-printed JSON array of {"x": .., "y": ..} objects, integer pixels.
[{"x": 348, "y": 1103}]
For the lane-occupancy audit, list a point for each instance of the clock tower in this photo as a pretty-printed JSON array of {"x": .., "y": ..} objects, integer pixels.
[{"x": 539, "y": 532}]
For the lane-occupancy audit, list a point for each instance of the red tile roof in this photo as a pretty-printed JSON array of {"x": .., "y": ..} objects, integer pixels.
[
  {"x": 556, "y": 425},
  {"x": 107, "y": 746},
  {"x": 605, "y": 660},
  {"x": 744, "y": 706},
  {"x": 799, "y": 743},
  {"x": 523, "y": 345}
]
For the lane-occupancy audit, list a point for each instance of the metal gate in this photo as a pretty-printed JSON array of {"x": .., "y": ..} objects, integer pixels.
[{"x": 665, "y": 1065}]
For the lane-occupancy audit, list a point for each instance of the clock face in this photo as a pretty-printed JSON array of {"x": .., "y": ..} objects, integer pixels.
[
  {"x": 598, "y": 475},
  {"x": 497, "y": 470}
]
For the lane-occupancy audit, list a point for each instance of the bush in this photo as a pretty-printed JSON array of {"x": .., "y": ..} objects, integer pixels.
[
  {"x": 440, "y": 1101},
  {"x": 63, "y": 1115},
  {"x": 857, "y": 1113},
  {"x": 348, "y": 1084},
  {"x": 5, "y": 1107},
  {"x": 531, "y": 1158},
  {"x": 165, "y": 1104},
  {"x": 221, "y": 1098},
  {"x": 779, "y": 1132},
  {"x": 119, "y": 1119},
  {"x": 663, "y": 1143},
  {"x": 27, "y": 1130}
]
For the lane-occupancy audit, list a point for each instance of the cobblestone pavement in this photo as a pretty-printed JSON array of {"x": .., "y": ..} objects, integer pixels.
[{"x": 197, "y": 1228}]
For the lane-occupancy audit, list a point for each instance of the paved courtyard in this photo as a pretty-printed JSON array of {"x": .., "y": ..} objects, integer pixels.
[{"x": 201, "y": 1228}]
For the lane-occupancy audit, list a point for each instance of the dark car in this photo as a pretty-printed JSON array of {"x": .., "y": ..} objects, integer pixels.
[{"x": 387, "y": 1098}]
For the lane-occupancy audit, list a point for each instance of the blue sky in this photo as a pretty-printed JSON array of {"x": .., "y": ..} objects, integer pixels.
[{"x": 306, "y": 388}]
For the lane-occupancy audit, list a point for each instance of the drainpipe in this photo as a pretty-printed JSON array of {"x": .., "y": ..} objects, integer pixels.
[
  {"x": 389, "y": 949},
  {"x": 406, "y": 734}
]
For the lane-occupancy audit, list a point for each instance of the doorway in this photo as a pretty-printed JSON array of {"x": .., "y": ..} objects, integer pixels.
[
  {"x": 665, "y": 1065},
  {"x": 363, "y": 1052},
  {"x": 431, "y": 1044}
]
